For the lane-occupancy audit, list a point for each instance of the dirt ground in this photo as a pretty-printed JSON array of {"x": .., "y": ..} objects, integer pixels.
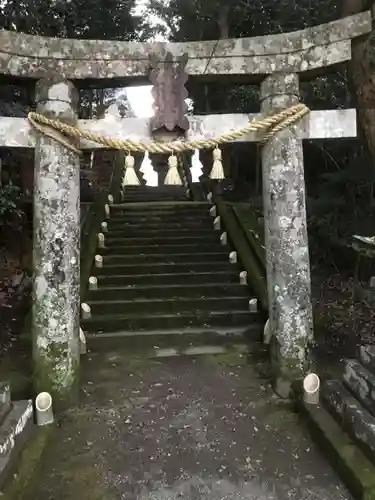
[
  {"x": 342, "y": 319},
  {"x": 209, "y": 428}
]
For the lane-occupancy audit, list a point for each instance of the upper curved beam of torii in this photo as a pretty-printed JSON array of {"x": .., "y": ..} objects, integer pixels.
[{"x": 299, "y": 51}]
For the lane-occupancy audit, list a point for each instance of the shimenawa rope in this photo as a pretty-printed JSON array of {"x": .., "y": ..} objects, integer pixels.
[{"x": 270, "y": 125}]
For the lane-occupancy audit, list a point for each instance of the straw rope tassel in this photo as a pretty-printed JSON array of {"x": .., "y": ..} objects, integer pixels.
[
  {"x": 196, "y": 169},
  {"x": 173, "y": 177},
  {"x": 217, "y": 171},
  {"x": 130, "y": 177}
]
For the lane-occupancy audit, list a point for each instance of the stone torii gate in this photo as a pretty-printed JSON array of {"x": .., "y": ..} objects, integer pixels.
[{"x": 275, "y": 62}]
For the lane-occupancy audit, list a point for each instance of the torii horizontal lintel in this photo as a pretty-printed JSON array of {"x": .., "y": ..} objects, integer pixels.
[
  {"x": 327, "y": 124},
  {"x": 36, "y": 57}
]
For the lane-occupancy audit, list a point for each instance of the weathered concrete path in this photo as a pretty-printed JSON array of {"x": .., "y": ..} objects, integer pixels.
[{"x": 203, "y": 429}]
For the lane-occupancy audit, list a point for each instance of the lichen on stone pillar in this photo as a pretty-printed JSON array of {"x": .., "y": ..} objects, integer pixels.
[
  {"x": 288, "y": 264},
  {"x": 56, "y": 249}
]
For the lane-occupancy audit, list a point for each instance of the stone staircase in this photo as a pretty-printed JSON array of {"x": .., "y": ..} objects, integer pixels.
[
  {"x": 16, "y": 426},
  {"x": 166, "y": 285},
  {"x": 344, "y": 422}
]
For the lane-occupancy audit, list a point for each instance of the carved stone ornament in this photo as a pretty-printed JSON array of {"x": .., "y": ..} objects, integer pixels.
[{"x": 168, "y": 77}]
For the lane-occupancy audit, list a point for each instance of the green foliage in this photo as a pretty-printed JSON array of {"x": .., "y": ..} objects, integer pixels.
[
  {"x": 97, "y": 19},
  {"x": 343, "y": 204},
  {"x": 205, "y": 19},
  {"x": 9, "y": 205},
  {"x": 83, "y": 19}
]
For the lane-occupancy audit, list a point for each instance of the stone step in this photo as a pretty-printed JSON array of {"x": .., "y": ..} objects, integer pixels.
[
  {"x": 177, "y": 214},
  {"x": 137, "y": 322},
  {"x": 203, "y": 291},
  {"x": 354, "y": 419},
  {"x": 163, "y": 219},
  {"x": 218, "y": 256},
  {"x": 183, "y": 204},
  {"x": 119, "y": 223},
  {"x": 116, "y": 276},
  {"x": 206, "y": 239},
  {"x": 15, "y": 430},
  {"x": 162, "y": 205},
  {"x": 361, "y": 383},
  {"x": 171, "y": 268},
  {"x": 141, "y": 232},
  {"x": 155, "y": 190},
  {"x": 182, "y": 201},
  {"x": 5, "y": 400},
  {"x": 180, "y": 305},
  {"x": 182, "y": 340},
  {"x": 202, "y": 350},
  {"x": 149, "y": 197},
  {"x": 160, "y": 208},
  {"x": 4, "y": 410},
  {"x": 355, "y": 469},
  {"x": 367, "y": 357},
  {"x": 165, "y": 250}
]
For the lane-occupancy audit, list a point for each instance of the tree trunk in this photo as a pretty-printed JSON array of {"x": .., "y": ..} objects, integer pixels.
[
  {"x": 361, "y": 72},
  {"x": 223, "y": 26},
  {"x": 223, "y": 22}
]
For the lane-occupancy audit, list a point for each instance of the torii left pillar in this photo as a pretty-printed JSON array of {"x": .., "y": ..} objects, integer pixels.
[{"x": 56, "y": 352}]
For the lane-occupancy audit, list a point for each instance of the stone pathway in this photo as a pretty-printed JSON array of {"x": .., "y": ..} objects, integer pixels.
[{"x": 182, "y": 429}]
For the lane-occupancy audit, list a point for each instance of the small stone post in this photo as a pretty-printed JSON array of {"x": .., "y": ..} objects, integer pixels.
[
  {"x": 56, "y": 350},
  {"x": 288, "y": 265}
]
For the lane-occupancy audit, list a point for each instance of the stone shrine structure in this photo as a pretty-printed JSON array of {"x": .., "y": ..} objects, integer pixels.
[{"x": 275, "y": 62}]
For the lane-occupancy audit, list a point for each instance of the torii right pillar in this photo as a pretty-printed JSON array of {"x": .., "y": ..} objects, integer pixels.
[{"x": 288, "y": 263}]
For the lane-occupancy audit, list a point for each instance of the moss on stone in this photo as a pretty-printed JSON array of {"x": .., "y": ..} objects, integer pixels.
[
  {"x": 25, "y": 474},
  {"x": 286, "y": 373},
  {"x": 44, "y": 370},
  {"x": 237, "y": 233},
  {"x": 93, "y": 219},
  {"x": 288, "y": 368},
  {"x": 278, "y": 417},
  {"x": 357, "y": 472}
]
